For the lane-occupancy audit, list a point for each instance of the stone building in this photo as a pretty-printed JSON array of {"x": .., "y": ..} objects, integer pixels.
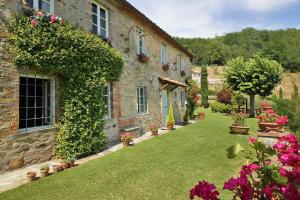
[{"x": 29, "y": 100}]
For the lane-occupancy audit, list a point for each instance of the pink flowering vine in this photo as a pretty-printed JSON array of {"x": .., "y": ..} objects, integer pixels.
[{"x": 204, "y": 190}]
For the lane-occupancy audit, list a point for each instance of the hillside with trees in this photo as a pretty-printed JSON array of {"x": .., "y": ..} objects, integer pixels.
[{"x": 281, "y": 45}]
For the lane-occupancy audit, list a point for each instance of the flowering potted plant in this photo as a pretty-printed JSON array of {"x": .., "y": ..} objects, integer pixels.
[
  {"x": 265, "y": 106},
  {"x": 239, "y": 126},
  {"x": 31, "y": 175},
  {"x": 143, "y": 58},
  {"x": 266, "y": 178},
  {"x": 154, "y": 129},
  {"x": 271, "y": 121},
  {"x": 44, "y": 170},
  {"x": 127, "y": 138},
  {"x": 201, "y": 115},
  {"x": 183, "y": 73},
  {"x": 166, "y": 66}
]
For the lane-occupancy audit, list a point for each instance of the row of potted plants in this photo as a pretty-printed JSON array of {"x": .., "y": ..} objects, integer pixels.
[
  {"x": 44, "y": 169},
  {"x": 239, "y": 123}
]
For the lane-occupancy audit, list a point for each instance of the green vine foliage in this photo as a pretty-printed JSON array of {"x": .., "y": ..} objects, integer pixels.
[{"x": 85, "y": 63}]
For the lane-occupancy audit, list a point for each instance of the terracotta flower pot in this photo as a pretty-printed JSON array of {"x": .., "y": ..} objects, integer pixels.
[
  {"x": 31, "y": 176},
  {"x": 170, "y": 127},
  {"x": 166, "y": 67},
  {"x": 266, "y": 108},
  {"x": 126, "y": 144},
  {"x": 154, "y": 133},
  {"x": 44, "y": 173},
  {"x": 267, "y": 127},
  {"x": 201, "y": 116},
  {"x": 64, "y": 165},
  {"x": 239, "y": 130},
  {"x": 143, "y": 58},
  {"x": 56, "y": 168}
]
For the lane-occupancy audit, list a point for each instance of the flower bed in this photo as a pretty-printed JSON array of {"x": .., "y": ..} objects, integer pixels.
[{"x": 271, "y": 121}]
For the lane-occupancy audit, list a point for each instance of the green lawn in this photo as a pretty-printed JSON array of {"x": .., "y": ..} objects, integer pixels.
[{"x": 165, "y": 167}]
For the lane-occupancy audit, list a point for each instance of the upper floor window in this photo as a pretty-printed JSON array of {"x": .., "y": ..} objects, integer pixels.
[
  {"x": 99, "y": 20},
  {"x": 36, "y": 102},
  {"x": 142, "y": 99},
  {"x": 108, "y": 100},
  {"x": 140, "y": 42},
  {"x": 181, "y": 64},
  {"x": 164, "y": 54},
  {"x": 45, "y": 5}
]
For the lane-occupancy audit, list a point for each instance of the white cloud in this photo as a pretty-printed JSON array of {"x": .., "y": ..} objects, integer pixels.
[{"x": 203, "y": 18}]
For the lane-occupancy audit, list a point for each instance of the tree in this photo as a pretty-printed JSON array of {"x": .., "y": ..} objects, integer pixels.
[
  {"x": 192, "y": 94},
  {"x": 257, "y": 76},
  {"x": 204, "y": 87}
]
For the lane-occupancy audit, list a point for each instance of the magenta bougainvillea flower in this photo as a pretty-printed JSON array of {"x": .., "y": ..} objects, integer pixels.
[
  {"x": 204, "y": 190},
  {"x": 34, "y": 22},
  {"x": 282, "y": 120}
]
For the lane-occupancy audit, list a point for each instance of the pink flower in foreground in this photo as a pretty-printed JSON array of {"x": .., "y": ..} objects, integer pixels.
[
  {"x": 53, "y": 18},
  {"x": 205, "y": 191},
  {"x": 34, "y": 22},
  {"x": 40, "y": 14},
  {"x": 268, "y": 191},
  {"x": 252, "y": 140}
]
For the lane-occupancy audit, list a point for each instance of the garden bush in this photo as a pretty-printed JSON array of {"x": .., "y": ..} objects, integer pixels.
[
  {"x": 221, "y": 107},
  {"x": 224, "y": 96},
  {"x": 204, "y": 87},
  {"x": 83, "y": 62},
  {"x": 290, "y": 108}
]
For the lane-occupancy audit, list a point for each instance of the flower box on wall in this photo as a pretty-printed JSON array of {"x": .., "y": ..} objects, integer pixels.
[
  {"x": 143, "y": 58},
  {"x": 183, "y": 73},
  {"x": 166, "y": 66}
]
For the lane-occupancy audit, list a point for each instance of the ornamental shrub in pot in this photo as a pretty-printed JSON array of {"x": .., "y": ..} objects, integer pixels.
[
  {"x": 44, "y": 170},
  {"x": 127, "y": 138},
  {"x": 201, "y": 116},
  {"x": 170, "y": 118},
  {"x": 154, "y": 129},
  {"x": 265, "y": 106},
  {"x": 239, "y": 126},
  {"x": 270, "y": 121}
]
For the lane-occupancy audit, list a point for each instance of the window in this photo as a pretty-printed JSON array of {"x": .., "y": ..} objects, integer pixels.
[
  {"x": 37, "y": 102},
  {"x": 182, "y": 98},
  {"x": 140, "y": 42},
  {"x": 142, "y": 99},
  {"x": 45, "y": 5},
  {"x": 164, "y": 54},
  {"x": 181, "y": 64},
  {"x": 108, "y": 100},
  {"x": 99, "y": 20}
]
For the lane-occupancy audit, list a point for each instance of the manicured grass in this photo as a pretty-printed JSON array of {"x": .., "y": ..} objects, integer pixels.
[{"x": 165, "y": 167}]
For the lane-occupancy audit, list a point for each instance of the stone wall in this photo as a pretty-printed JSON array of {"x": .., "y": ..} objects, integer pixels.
[{"x": 19, "y": 149}]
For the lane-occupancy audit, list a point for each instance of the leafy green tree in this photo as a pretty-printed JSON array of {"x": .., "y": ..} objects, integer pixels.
[
  {"x": 257, "y": 76},
  {"x": 204, "y": 87}
]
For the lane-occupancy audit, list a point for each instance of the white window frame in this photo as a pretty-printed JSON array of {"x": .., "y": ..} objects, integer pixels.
[
  {"x": 52, "y": 100},
  {"x": 144, "y": 106},
  {"x": 99, "y": 19},
  {"x": 108, "y": 115},
  {"x": 52, "y": 5},
  {"x": 140, "y": 42},
  {"x": 164, "y": 53}
]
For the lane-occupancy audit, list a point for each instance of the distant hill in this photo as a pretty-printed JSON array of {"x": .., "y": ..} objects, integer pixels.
[{"x": 280, "y": 45}]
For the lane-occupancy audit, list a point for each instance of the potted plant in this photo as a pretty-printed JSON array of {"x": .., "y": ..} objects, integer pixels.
[
  {"x": 154, "y": 129},
  {"x": 265, "y": 106},
  {"x": 127, "y": 138},
  {"x": 44, "y": 170},
  {"x": 143, "y": 58},
  {"x": 166, "y": 66},
  {"x": 201, "y": 115},
  {"x": 270, "y": 121},
  {"x": 186, "y": 117},
  {"x": 64, "y": 164},
  {"x": 56, "y": 168},
  {"x": 31, "y": 175},
  {"x": 170, "y": 118},
  {"x": 183, "y": 73},
  {"x": 238, "y": 126}
]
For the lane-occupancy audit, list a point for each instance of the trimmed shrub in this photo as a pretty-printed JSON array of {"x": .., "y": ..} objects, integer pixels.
[
  {"x": 295, "y": 95},
  {"x": 224, "y": 96},
  {"x": 221, "y": 107},
  {"x": 204, "y": 87},
  {"x": 280, "y": 93}
]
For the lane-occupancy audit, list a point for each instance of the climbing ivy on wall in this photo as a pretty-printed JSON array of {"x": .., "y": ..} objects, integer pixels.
[{"x": 84, "y": 63}]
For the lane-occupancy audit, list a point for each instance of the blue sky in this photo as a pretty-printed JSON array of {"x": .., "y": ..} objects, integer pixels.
[{"x": 208, "y": 18}]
